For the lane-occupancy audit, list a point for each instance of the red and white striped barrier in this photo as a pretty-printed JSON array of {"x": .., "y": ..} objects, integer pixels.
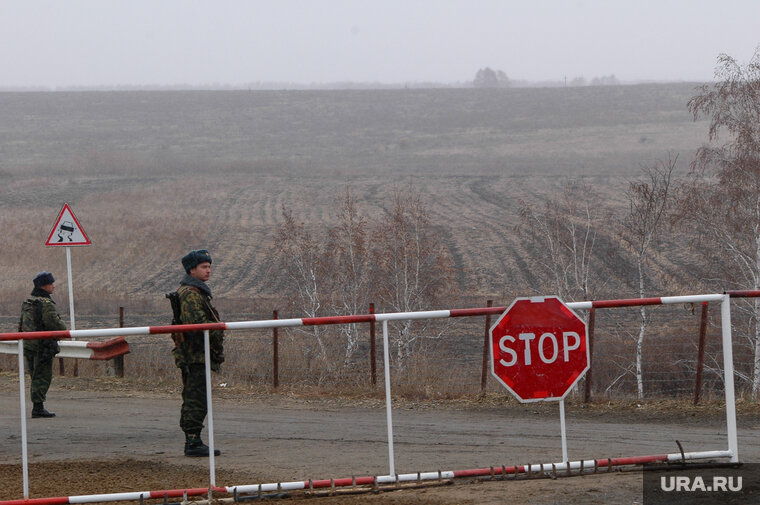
[
  {"x": 544, "y": 469},
  {"x": 79, "y": 349},
  {"x": 590, "y": 465},
  {"x": 392, "y": 477},
  {"x": 360, "y": 318}
]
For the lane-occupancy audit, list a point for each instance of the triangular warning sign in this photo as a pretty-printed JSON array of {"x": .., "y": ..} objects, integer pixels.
[{"x": 67, "y": 231}]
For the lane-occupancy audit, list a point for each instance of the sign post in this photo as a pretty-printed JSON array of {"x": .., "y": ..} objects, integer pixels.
[
  {"x": 539, "y": 352},
  {"x": 67, "y": 232}
]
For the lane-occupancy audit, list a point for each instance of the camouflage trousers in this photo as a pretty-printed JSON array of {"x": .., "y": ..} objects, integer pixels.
[
  {"x": 41, "y": 373},
  {"x": 194, "y": 408}
]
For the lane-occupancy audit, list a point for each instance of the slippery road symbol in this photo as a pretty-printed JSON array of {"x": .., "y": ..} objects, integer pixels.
[{"x": 67, "y": 230}]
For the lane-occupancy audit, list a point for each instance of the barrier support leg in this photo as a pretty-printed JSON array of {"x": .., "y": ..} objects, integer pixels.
[
  {"x": 22, "y": 402},
  {"x": 728, "y": 372},
  {"x": 386, "y": 357},
  {"x": 206, "y": 350},
  {"x": 275, "y": 355}
]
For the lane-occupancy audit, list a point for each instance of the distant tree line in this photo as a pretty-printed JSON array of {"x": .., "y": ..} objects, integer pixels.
[
  {"x": 605, "y": 80},
  {"x": 489, "y": 78}
]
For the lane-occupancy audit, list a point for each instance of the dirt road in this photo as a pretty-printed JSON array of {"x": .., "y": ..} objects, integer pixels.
[{"x": 130, "y": 441}]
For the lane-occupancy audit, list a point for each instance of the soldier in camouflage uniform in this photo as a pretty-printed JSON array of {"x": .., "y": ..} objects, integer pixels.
[
  {"x": 38, "y": 314},
  {"x": 195, "y": 303}
]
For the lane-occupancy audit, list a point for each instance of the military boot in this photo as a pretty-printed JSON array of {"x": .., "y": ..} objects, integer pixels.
[
  {"x": 38, "y": 410},
  {"x": 194, "y": 446}
]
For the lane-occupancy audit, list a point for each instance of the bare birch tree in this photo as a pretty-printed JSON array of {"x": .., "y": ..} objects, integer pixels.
[
  {"x": 648, "y": 200},
  {"x": 721, "y": 200},
  {"x": 300, "y": 259},
  {"x": 564, "y": 229},
  {"x": 350, "y": 267},
  {"x": 413, "y": 268}
]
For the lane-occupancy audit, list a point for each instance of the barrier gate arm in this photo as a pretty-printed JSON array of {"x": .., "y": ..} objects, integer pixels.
[{"x": 80, "y": 349}]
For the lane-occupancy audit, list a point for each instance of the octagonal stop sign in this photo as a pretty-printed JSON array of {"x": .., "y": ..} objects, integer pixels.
[{"x": 539, "y": 349}]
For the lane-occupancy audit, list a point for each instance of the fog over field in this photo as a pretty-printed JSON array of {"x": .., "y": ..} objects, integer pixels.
[
  {"x": 151, "y": 175},
  {"x": 53, "y": 45}
]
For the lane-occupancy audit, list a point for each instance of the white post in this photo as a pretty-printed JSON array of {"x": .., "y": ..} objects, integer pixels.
[
  {"x": 728, "y": 377},
  {"x": 562, "y": 428},
  {"x": 386, "y": 359},
  {"x": 71, "y": 290},
  {"x": 207, "y": 359},
  {"x": 22, "y": 401}
]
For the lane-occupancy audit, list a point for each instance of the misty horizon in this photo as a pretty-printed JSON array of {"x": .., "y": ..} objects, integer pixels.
[
  {"x": 90, "y": 44},
  {"x": 338, "y": 85}
]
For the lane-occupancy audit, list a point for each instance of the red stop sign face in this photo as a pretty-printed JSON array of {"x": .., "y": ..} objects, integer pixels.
[{"x": 539, "y": 349}]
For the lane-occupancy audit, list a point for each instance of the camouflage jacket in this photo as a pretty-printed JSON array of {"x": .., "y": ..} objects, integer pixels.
[
  {"x": 196, "y": 308},
  {"x": 38, "y": 314}
]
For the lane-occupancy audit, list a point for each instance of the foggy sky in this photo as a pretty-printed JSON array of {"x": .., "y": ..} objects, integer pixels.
[{"x": 56, "y": 43}]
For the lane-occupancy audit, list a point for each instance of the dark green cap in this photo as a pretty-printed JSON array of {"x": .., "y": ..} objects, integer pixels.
[{"x": 195, "y": 258}]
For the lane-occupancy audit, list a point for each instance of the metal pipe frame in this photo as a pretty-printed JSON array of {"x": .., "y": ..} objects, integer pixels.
[{"x": 731, "y": 453}]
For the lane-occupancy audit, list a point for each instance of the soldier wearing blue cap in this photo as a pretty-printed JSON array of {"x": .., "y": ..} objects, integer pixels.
[
  {"x": 195, "y": 307},
  {"x": 38, "y": 314}
]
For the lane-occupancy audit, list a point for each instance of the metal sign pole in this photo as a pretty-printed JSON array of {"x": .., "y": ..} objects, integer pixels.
[
  {"x": 564, "y": 431},
  {"x": 71, "y": 290}
]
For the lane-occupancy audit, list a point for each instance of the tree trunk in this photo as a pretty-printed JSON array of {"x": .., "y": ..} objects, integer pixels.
[
  {"x": 640, "y": 355},
  {"x": 640, "y": 339},
  {"x": 756, "y": 303},
  {"x": 756, "y": 364}
]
